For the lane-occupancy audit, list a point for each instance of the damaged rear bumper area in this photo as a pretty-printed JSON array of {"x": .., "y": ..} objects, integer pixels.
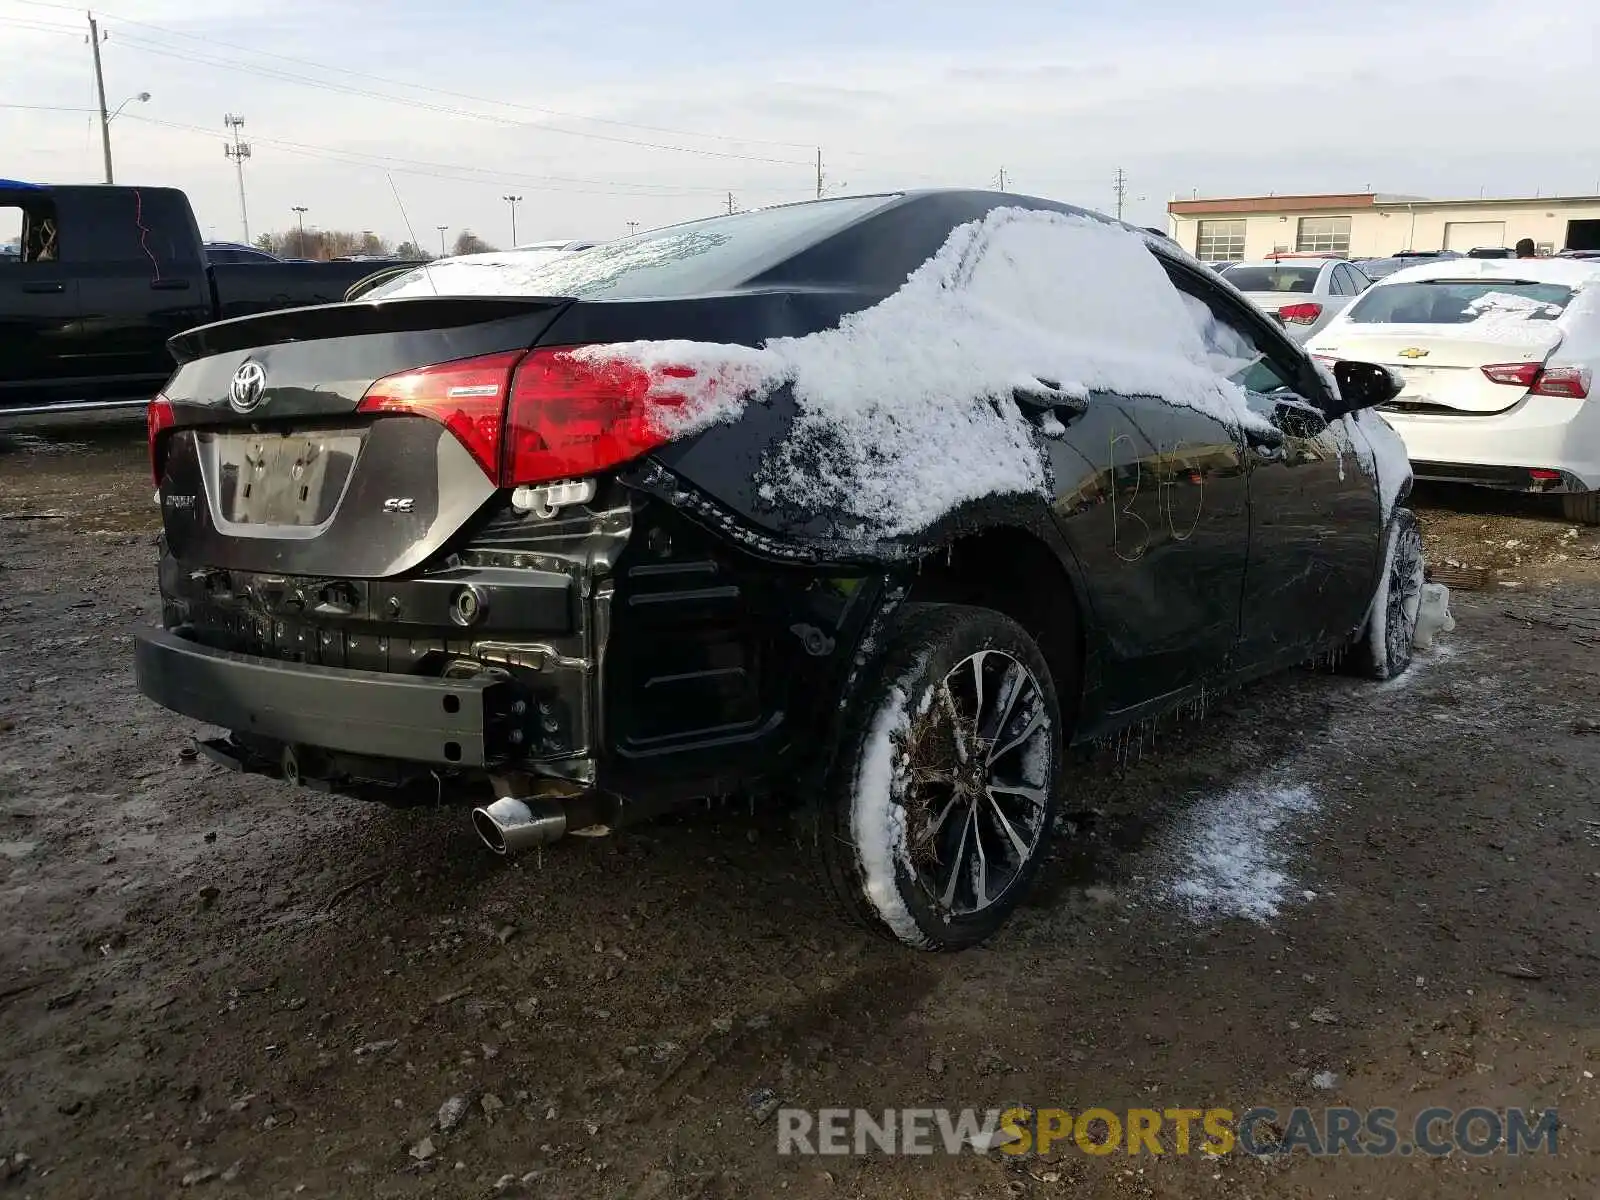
[
  {"x": 591, "y": 669},
  {"x": 438, "y": 722}
]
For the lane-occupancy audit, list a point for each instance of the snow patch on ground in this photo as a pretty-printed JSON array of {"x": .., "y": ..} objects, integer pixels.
[
  {"x": 905, "y": 410},
  {"x": 878, "y": 818},
  {"x": 1422, "y": 661},
  {"x": 1234, "y": 852}
]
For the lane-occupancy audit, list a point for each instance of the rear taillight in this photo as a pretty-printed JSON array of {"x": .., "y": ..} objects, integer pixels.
[
  {"x": 575, "y": 414},
  {"x": 467, "y": 397},
  {"x": 158, "y": 418},
  {"x": 1516, "y": 374},
  {"x": 542, "y": 415},
  {"x": 1569, "y": 382},
  {"x": 1300, "y": 314}
]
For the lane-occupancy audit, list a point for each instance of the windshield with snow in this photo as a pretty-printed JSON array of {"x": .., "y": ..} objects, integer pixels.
[
  {"x": 682, "y": 260},
  {"x": 1458, "y": 302},
  {"x": 1272, "y": 279}
]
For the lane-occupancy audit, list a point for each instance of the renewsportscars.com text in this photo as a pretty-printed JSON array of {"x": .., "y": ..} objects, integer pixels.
[{"x": 1379, "y": 1132}]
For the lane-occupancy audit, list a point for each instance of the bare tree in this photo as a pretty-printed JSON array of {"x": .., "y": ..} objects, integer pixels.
[{"x": 468, "y": 242}]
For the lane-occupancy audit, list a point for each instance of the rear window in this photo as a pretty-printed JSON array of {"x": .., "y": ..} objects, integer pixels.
[
  {"x": 681, "y": 260},
  {"x": 1380, "y": 267},
  {"x": 1458, "y": 302},
  {"x": 1272, "y": 279}
]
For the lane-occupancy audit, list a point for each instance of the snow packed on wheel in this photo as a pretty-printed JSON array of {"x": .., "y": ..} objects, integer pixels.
[{"x": 871, "y": 506}]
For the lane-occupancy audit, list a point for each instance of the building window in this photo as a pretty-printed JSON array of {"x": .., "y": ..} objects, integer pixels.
[
  {"x": 1219, "y": 241},
  {"x": 1326, "y": 235}
]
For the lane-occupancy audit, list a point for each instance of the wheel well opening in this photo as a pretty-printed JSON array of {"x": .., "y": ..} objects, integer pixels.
[{"x": 1013, "y": 572}]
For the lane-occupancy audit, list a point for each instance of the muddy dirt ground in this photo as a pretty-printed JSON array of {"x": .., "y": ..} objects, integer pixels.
[{"x": 214, "y": 985}]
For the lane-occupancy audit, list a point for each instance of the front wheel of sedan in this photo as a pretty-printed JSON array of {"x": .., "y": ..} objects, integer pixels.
[
  {"x": 1384, "y": 648},
  {"x": 938, "y": 810}
]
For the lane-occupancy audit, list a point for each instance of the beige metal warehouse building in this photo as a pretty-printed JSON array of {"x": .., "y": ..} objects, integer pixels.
[{"x": 1375, "y": 224}]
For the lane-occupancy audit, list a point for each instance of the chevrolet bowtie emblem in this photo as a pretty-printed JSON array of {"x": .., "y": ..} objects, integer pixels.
[{"x": 1413, "y": 352}]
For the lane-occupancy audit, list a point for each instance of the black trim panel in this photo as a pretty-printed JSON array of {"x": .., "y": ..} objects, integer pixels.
[{"x": 360, "y": 712}]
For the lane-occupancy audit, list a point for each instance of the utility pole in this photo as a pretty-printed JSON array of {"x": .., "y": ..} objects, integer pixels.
[
  {"x": 238, "y": 151},
  {"x": 1120, "y": 186},
  {"x": 1001, "y": 180},
  {"x": 100, "y": 92},
  {"x": 513, "y": 200},
  {"x": 441, "y": 229},
  {"x": 819, "y": 172},
  {"x": 731, "y": 208},
  {"x": 299, "y": 211},
  {"x": 633, "y": 227}
]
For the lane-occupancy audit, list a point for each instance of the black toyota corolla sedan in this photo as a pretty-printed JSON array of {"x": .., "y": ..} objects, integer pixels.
[{"x": 872, "y": 506}]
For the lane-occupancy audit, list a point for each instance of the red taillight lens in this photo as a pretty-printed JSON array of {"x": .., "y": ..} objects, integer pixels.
[
  {"x": 575, "y": 414},
  {"x": 1300, "y": 314},
  {"x": 1515, "y": 374},
  {"x": 1571, "y": 383},
  {"x": 467, "y": 397},
  {"x": 158, "y": 418}
]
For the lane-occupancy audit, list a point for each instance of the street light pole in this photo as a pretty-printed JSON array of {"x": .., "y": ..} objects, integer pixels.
[
  {"x": 105, "y": 125},
  {"x": 100, "y": 93},
  {"x": 513, "y": 200},
  {"x": 299, "y": 211},
  {"x": 441, "y": 229}
]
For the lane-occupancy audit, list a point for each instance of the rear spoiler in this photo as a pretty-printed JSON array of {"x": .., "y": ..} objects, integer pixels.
[{"x": 319, "y": 322}]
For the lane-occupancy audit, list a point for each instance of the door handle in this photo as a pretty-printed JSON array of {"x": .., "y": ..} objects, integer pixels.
[
  {"x": 44, "y": 289},
  {"x": 170, "y": 285}
]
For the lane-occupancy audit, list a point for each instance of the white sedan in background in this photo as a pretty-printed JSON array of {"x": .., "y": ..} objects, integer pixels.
[
  {"x": 1303, "y": 293},
  {"x": 1498, "y": 357}
]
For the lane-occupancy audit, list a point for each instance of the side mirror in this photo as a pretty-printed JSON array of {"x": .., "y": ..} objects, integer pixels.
[
  {"x": 1046, "y": 395},
  {"x": 1364, "y": 385}
]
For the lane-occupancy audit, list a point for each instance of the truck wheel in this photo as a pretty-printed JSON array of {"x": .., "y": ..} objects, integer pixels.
[
  {"x": 938, "y": 808},
  {"x": 1383, "y": 650},
  {"x": 1581, "y": 508}
]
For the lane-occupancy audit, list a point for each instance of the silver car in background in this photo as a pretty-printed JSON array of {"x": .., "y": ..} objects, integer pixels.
[{"x": 1303, "y": 293}]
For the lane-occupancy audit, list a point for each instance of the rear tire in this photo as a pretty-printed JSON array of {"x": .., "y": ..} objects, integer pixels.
[
  {"x": 1384, "y": 648},
  {"x": 1581, "y": 508},
  {"x": 938, "y": 808}
]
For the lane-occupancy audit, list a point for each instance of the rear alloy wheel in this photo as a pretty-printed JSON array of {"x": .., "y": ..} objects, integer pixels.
[
  {"x": 1385, "y": 647},
  {"x": 1581, "y": 508},
  {"x": 942, "y": 796}
]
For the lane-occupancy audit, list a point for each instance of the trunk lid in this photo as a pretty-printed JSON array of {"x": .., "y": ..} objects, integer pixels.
[
  {"x": 1271, "y": 302},
  {"x": 1443, "y": 364},
  {"x": 270, "y": 467}
]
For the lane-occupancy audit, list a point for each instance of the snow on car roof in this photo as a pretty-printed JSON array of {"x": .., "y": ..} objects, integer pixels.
[{"x": 1568, "y": 272}]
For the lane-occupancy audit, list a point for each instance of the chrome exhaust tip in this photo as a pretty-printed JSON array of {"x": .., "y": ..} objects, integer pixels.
[{"x": 515, "y": 823}]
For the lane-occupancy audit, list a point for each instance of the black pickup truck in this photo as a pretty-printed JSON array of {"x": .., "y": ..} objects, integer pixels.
[{"x": 96, "y": 281}]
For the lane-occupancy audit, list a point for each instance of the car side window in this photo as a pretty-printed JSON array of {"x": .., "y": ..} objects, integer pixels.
[
  {"x": 1358, "y": 280},
  {"x": 1341, "y": 283},
  {"x": 1233, "y": 352},
  {"x": 28, "y": 232}
]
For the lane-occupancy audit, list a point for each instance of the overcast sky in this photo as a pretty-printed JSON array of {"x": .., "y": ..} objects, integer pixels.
[{"x": 589, "y": 109}]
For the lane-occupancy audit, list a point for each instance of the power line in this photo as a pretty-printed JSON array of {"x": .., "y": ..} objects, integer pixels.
[
  {"x": 304, "y": 62},
  {"x": 156, "y": 48},
  {"x": 71, "y": 108},
  {"x": 458, "y": 172},
  {"x": 140, "y": 44}
]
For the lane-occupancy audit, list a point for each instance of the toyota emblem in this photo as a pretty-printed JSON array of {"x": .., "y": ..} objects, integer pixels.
[{"x": 249, "y": 383}]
